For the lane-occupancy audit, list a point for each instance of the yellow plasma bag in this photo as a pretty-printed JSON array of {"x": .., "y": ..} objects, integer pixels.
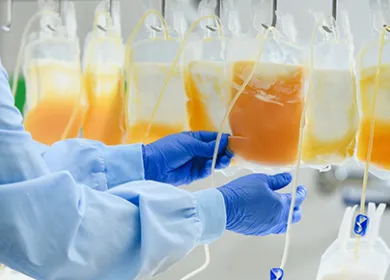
[
  {"x": 206, "y": 89},
  {"x": 150, "y": 66},
  {"x": 332, "y": 114},
  {"x": 206, "y": 80},
  {"x": 104, "y": 81}
]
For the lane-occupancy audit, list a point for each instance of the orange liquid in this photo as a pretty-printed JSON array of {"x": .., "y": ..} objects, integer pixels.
[
  {"x": 137, "y": 132},
  {"x": 381, "y": 149},
  {"x": 381, "y": 145},
  {"x": 105, "y": 119},
  {"x": 205, "y": 92},
  {"x": 265, "y": 120},
  {"x": 55, "y": 101},
  {"x": 49, "y": 119}
]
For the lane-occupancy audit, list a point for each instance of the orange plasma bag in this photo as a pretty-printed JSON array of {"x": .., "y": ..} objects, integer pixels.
[
  {"x": 265, "y": 118},
  {"x": 55, "y": 99},
  {"x": 374, "y": 86}
]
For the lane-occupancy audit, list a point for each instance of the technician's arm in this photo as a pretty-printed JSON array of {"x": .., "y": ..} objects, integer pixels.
[
  {"x": 177, "y": 159},
  {"x": 54, "y": 228},
  {"x": 94, "y": 164}
]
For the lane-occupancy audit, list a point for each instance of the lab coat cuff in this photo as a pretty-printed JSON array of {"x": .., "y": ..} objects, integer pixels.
[
  {"x": 212, "y": 214},
  {"x": 123, "y": 163}
]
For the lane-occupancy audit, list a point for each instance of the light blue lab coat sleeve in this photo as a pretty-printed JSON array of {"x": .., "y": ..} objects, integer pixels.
[
  {"x": 18, "y": 158},
  {"x": 53, "y": 228},
  {"x": 94, "y": 164}
]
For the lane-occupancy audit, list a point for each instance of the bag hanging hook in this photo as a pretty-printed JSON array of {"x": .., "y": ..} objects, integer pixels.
[
  {"x": 334, "y": 16},
  {"x": 274, "y": 16},
  {"x": 9, "y": 7}
]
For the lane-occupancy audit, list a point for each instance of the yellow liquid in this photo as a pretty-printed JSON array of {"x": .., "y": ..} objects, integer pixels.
[
  {"x": 170, "y": 118},
  {"x": 55, "y": 102},
  {"x": 138, "y": 131},
  {"x": 105, "y": 119},
  {"x": 331, "y": 118},
  {"x": 206, "y": 91},
  {"x": 381, "y": 148}
]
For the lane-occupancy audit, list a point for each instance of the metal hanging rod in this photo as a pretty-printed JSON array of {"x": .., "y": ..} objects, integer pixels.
[
  {"x": 218, "y": 13},
  {"x": 163, "y": 14},
  {"x": 110, "y": 10},
  {"x": 334, "y": 16},
  {"x": 218, "y": 9},
  {"x": 274, "y": 16},
  {"x": 163, "y": 8}
]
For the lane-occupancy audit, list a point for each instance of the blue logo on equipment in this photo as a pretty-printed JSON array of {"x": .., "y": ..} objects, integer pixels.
[
  {"x": 277, "y": 274},
  {"x": 361, "y": 225}
]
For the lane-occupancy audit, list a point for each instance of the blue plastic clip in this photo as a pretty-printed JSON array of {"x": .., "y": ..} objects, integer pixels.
[
  {"x": 361, "y": 225},
  {"x": 277, "y": 274}
]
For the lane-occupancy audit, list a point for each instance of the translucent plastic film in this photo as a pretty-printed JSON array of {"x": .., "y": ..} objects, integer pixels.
[
  {"x": 55, "y": 100},
  {"x": 374, "y": 79},
  {"x": 104, "y": 80},
  {"x": 332, "y": 112},
  {"x": 206, "y": 84},
  {"x": 265, "y": 120},
  {"x": 151, "y": 63},
  {"x": 340, "y": 260}
]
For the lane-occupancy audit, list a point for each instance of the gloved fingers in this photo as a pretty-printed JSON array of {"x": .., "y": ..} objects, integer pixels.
[
  {"x": 301, "y": 195},
  {"x": 223, "y": 144},
  {"x": 196, "y": 170},
  {"x": 206, "y": 150},
  {"x": 222, "y": 162},
  {"x": 200, "y": 169},
  {"x": 202, "y": 136},
  {"x": 228, "y": 152},
  {"x": 299, "y": 198},
  {"x": 281, "y": 229},
  {"x": 205, "y": 171},
  {"x": 297, "y": 216},
  {"x": 279, "y": 181}
]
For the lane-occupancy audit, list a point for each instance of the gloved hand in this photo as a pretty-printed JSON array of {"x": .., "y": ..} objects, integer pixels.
[
  {"x": 182, "y": 158},
  {"x": 254, "y": 208}
]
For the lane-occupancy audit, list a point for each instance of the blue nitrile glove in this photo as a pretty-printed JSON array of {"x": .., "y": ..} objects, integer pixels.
[
  {"x": 180, "y": 159},
  {"x": 254, "y": 208}
]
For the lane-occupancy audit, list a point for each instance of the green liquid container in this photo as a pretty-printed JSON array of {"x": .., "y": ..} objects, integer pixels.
[{"x": 20, "y": 97}]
